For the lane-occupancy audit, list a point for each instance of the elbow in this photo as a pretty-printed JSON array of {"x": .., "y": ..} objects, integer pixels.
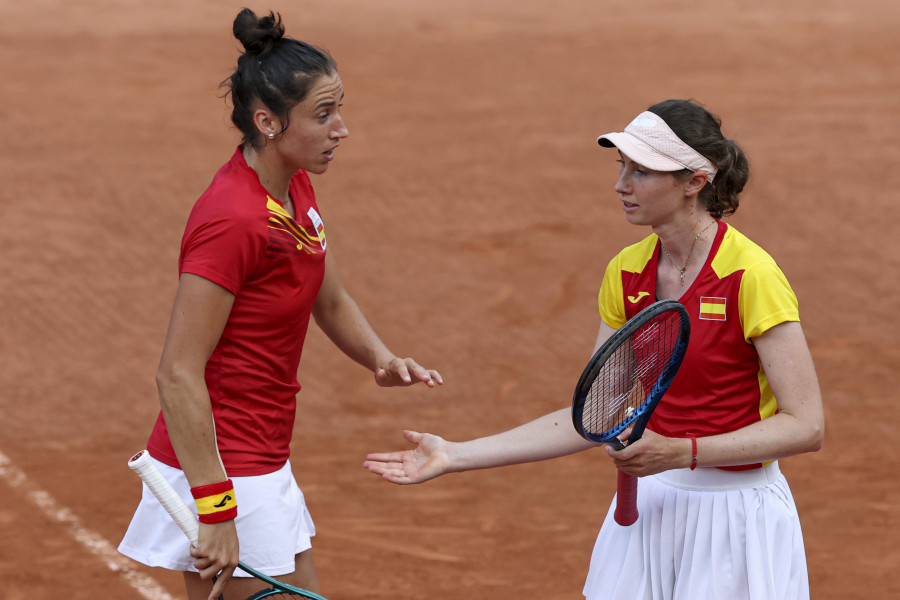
[
  {"x": 165, "y": 382},
  {"x": 815, "y": 437},
  {"x": 819, "y": 440},
  {"x": 165, "y": 379},
  {"x": 170, "y": 378}
]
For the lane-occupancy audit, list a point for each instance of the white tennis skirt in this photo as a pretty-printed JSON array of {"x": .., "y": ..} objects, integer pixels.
[
  {"x": 706, "y": 533},
  {"x": 273, "y": 524}
]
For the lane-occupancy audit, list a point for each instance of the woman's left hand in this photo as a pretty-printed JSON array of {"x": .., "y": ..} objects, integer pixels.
[
  {"x": 651, "y": 454},
  {"x": 405, "y": 371}
]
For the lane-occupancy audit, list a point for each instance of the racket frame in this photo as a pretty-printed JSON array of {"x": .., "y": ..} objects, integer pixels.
[
  {"x": 641, "y": 416},
  {"x": 626, "y": 512}
]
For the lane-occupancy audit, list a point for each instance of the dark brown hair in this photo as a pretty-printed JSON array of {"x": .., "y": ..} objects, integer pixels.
[
  {"x": 274, "y": 69},
  {"x": 702, "y": 131}
]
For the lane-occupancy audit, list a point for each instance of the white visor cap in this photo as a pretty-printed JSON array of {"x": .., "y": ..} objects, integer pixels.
[{"x": 649, "y": 141}]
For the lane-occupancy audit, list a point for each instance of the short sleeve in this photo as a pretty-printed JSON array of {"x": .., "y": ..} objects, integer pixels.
[
  {"x": 766, "y": 299},
  {"x": 611, "y": 298},
  {"x": 225, "y": 251}
]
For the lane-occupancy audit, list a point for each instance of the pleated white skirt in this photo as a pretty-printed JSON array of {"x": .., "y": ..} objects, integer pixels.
[{"x": 704, "y": 534}]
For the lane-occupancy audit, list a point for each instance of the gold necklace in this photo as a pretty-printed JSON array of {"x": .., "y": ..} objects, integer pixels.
[{"x": 681, "y": 270}]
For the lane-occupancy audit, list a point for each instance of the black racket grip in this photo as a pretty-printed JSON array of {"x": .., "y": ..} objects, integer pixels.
[{"x": 616, "y": 444}]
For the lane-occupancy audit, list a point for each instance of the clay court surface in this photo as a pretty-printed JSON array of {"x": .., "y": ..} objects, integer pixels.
[{"x": 472, "y": 215}]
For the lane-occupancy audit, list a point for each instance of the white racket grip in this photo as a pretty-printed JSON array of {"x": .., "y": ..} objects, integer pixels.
[{"x": 142, "y": 464}]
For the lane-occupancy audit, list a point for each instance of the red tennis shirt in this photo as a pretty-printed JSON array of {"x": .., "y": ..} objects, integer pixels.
[
  {"x": 738, "y": 295},
  {"x": 242, "y": 239}
]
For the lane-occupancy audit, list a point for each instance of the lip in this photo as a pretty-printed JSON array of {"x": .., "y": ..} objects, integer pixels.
[{"x": 628, "y": 206}]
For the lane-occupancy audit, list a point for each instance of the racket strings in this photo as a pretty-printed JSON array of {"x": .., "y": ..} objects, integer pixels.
[{"x": 620, "y": 389}]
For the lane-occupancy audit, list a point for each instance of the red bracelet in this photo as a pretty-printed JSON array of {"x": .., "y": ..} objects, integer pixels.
[
  {"x": 215, "y": 502},
  {"x": 693, "y": 452}
]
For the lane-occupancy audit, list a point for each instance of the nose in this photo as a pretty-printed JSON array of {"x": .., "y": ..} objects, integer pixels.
[
  {"x": 621, "y": 186},
  {"x": 340, "y": 130}
]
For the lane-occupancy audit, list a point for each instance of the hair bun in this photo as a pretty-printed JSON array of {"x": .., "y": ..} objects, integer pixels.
[{"x": 258, "y": 35}]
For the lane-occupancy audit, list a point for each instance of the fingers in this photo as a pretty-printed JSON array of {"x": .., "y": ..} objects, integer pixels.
[
  {"x": 406, "y": 371},
  {"x": 221, "y": 581},
  {"x": 413, "y": 437},
  {"x": 216, "y": 554},
  {"x": 394, "y": 472},
  {"x": 209, "y": 568},
  {"x": 395, "y": 466},
  {"x": 431, "y": 377},
  {"x": 381, "y": 463}
]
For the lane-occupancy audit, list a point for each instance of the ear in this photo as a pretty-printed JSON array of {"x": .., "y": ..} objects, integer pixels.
[
  {"x": 266, "y": 122},
  {"x": 696, "y": 183}
]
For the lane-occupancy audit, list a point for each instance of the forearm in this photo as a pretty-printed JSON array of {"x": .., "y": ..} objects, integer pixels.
[
  {"x": 799, "y": 424},
  {"x": 346, "y": 326},
  {"x": 779, "y": 436},
  {"x": 186, "y": 408},
  {"x": 547, "y": 437},
  {"x": 199, "y": 315}
]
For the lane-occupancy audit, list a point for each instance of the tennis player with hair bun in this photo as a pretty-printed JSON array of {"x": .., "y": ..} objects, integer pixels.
[
  {"x": 254, "y": 266},
  {"x": 717, "y": 518}
]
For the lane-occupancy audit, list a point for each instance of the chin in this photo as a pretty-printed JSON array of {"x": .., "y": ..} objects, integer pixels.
[{"x": 317, "y": 169}]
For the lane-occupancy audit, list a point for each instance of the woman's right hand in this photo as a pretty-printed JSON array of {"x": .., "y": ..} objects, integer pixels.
[
  {"x": 427, "y": 461},
  {"x": 216, "y": 554}
]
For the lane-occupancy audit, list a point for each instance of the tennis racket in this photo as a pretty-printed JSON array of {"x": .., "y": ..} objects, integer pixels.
[
  {"x": 624, "y": 382},
  {"x": 142, "y": 464}
]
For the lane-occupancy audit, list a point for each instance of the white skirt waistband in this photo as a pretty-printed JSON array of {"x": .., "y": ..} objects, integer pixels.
[{"x": 719, "y": 479}]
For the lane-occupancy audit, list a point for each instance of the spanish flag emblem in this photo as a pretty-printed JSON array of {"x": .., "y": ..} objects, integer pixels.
[{"x": 712, "y": 309}]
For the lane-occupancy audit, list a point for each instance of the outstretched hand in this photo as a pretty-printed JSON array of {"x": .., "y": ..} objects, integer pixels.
[
  {"x": 405, "y": 371},
  {"x": 427, "y": 461}
]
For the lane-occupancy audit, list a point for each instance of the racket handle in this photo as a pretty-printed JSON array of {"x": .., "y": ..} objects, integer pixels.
[
  {"x": 142, "y": 464},
  {"x": 626, "y": 500}
]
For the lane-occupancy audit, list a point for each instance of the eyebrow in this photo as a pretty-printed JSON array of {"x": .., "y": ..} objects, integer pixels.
[{"x": 328, "y": 102}]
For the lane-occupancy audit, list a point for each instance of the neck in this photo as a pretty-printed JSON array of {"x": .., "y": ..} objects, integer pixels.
[
  {"x": 685, "y": 265},
  {"x": 274, "y": 179},
  {"x": 679, "y": 239}
]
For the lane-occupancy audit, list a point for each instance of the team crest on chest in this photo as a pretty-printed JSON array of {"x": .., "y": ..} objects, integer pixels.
[
  {"x": 712, "y": 308},
  {"x": 318, "y": 224}
]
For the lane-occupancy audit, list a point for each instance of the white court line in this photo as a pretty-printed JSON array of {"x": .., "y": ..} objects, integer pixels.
[{"x": 145, "y": 586}]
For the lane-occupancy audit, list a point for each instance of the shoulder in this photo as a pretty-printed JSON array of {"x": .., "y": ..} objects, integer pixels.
[
  {"x": 234, "y": 195},
  {"x": 233, "y": 209},
  {"x": 764, "y": 294},
  {"x": 626, "y": 276},
  {"x": 739, "y": 253},
  {"x": 634, "y": 258}
]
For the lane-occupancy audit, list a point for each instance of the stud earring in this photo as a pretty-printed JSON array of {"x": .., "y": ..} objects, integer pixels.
[{"x": 271, "y": 136}]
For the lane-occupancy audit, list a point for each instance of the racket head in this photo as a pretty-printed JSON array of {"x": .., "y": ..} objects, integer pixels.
[{"x": 629, "y": 374}]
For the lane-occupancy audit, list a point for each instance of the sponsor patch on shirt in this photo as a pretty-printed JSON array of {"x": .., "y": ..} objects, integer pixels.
[{"x": 712, "y": 308}]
